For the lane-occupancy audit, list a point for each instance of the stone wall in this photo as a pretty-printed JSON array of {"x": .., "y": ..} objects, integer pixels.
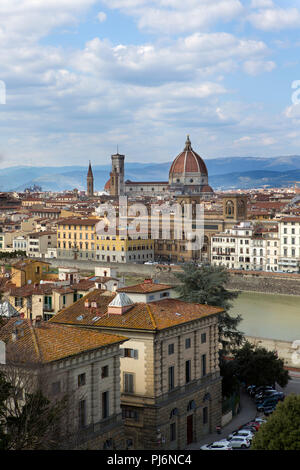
[
  {"x": 265, "y": 284},
  {"x": 283, "y": 348}
]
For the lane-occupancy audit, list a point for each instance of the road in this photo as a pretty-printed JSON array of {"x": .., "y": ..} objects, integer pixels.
[{"x": 248, "y": 412}]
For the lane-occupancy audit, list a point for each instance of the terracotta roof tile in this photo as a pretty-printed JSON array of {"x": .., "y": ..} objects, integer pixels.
[
  {"x": 51, "y": 342},
  {"x": 144, "y": 288},
  {"x": 157, "y": 315}
]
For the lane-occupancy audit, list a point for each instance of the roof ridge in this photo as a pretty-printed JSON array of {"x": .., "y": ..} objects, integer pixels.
[
  {"x": 151, "y": 316},
  {"x": 35, "y": 341}
]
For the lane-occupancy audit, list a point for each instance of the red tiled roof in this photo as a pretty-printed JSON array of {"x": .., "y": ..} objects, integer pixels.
[
  {"x": 144, "y": 288},
  {"x": 155, "y": 316},
  {"x": 50, "y": 342},
  {"x": 188, "y": 161}
]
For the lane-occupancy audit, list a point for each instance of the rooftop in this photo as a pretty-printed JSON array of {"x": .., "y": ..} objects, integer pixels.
[
  {"x": 145, "y": 288},
  {"x": 50, "y": 342},
  {"x": 154, "y": 316}
]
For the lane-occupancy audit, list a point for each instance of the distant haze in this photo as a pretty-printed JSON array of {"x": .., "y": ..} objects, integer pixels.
[{"x": 224, "y": 173}]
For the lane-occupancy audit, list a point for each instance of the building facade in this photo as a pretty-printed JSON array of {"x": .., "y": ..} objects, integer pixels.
[{"x": 170, "y": 378}]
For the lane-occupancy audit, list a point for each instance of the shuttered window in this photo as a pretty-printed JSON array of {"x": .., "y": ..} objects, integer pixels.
[{"x": 128, "y": 383}]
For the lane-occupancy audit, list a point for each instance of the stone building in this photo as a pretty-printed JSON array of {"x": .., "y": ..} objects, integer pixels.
[
  {"x": 170, "y": 378},
  {"x": 82, "y": 364},
  {"x": 188, "y": 176},
  {"x": 90, "y": 182}
]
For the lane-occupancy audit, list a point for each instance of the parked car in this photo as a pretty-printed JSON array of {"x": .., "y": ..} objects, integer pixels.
[
  {"x": 250, "y": 428},
  {"x": 270, "y": 402},
  {"x": 239, "y": 442},
  {"x": 260, "y": 420},
  {"x": 251, "y": 388},
  {"x": 262, "y": 389},
  {"x": 260, "y": 397},
  {"x": 254, "y": 390},
  {"x": 254, "y": 424},
  {"x": 250, "y": 424},
  {"x": 264, "y": 393},
  {"x": 269, "y": 409},
  {"x": 219, "y": 445},
  {"x": 243, "y": 433}
]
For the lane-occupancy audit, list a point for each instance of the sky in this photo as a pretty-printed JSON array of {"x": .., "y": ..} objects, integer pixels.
[{"x": 80, "y": 77}]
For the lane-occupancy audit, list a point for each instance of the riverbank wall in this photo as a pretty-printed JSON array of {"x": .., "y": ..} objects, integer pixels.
[
  {"x": 251, "y": 281},
  {"x": 284, "y": 349},
  {"x": 265, "y": 284}
]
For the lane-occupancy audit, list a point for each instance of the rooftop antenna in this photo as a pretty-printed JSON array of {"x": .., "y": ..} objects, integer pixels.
[{"x": 117, "y": 149}]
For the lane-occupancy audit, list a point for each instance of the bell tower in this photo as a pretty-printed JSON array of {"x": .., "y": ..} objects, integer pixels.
[
  {"x": 234, "y": 208},
  {"x": 90, "y": 182},
  {"x": 117, "y": 187}
]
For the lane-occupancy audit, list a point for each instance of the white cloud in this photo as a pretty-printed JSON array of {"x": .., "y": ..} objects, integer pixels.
[
  {"x": 267, "y": 140},
  {"x": 261, "y": 3},
  {"x": 194, "y": 57},
  {"x": 275, "y": 19},
  {"x": 243, "y": 140},
  {"x": 174, "y": 16},
  {"x": 256, "y": 67},
  {"x": 101, "y": 16}
]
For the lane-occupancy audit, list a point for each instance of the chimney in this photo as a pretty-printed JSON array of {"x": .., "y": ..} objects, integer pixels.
[
  {"x": 87, "y": 304},
  {"x": 120, "y": 304}
]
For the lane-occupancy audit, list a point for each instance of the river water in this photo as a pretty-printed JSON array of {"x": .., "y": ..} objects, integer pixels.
[{"x": 269, "y": 316}]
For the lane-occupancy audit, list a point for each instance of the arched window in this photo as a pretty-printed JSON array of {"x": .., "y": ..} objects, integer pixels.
[
  {"x": 174, "y": 412},
  {"x": 229, "y": 208},
  {"x": 241, "y": 207},
  {"x": 191, "y": 405}
]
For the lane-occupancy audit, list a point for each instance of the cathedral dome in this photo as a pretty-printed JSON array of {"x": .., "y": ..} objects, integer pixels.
[
  {"x": 107, "y": 186},
  {"x": 188, "y": 161}
]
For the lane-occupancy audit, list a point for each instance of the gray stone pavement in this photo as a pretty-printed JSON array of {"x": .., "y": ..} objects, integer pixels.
[{"x": 247, "y": 412}]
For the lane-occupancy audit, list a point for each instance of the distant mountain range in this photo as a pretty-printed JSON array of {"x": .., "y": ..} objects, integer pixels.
[{"x": 224, "y": 173}]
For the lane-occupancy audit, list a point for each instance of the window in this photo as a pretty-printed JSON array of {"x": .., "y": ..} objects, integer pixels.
[
  {"x": 18, "y": 302},
  {"x": 171, "y": 377},
  {"x": 172, "y": 432},
  {"x": 82, "y": 413},
  {"x": 55, "y": 388},
  {"x": 203, "y": 338},
  {"x": 187, "y": 371},
  {"x": 81, "y": 380},
  {"x": 187, "y": 343},
  {"x": 128, "y": 413},
  {"x": 108, "y": 444},
  {"x": 104, "y": 372},
  {"x": 205, "y": 415},
  {"x": 105, "y": 405},
  {"x": 171, "y": 348},
  {"x": 127, "y": 352},
  {"x": 203, "y": 364},
  {"x": 128, "y": 382}
]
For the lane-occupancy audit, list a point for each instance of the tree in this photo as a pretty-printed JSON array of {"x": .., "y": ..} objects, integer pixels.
[
  {"x": 257, "y": 365},
  {"x": 281, "y": 432},
  {"x": 205, "y": 285},
  {"x": 29, "y": 419},
  {"x": 37, "y": 424},
  {"x": 5, "y": 391},
  {"x": 230, "y": 382}
]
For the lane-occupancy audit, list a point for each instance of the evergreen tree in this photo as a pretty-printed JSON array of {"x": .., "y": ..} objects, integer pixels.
[
  {"x": 281, "y": 431},
  {"x": 206, "y": 285},
  {"x": 257, "y": 365}
]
